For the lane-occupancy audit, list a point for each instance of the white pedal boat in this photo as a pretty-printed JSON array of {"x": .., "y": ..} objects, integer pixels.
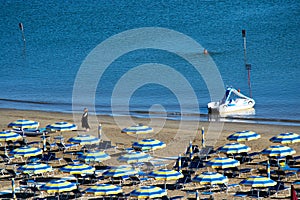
[{"x": 232, "y": 101}]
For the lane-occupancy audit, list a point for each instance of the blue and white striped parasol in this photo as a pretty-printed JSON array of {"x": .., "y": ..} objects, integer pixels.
[
  {"x": 134, "y": 157},
  {"x": 165, "y": 175},
  {"x": 26, "y": 151},
  {"x": 61, "y": 126},
  {"x": 242, "y": 136},
  {"x": 119, "y": 171},
  {"x": 77, "y": 168},
  {"x": 23, "y": 123},
  {"x": 58, "y": 186},
  {"x": 278, "y": 151},
  {"x": 137, "y": 129},
  {"x": 286, "y": 138},
  {"x": 104, "y": 189},
  {"x": 9, "y": 136},
  {"x": 84, "y": 139},
  {"x": 94, "y": 156},
  {"x": 234, "y": 148},
  {"x": 258, "y": 182},
  {"x": 148, "y": 144},
  {"x": 35, "y": 168},
  {"x": 148, "y": 192},
  {"x": 210, "y": 178},
  {"x": 223, "y": 163}
]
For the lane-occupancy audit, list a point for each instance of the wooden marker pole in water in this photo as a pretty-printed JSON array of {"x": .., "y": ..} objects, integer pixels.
[{"x": 248, "y": 66}]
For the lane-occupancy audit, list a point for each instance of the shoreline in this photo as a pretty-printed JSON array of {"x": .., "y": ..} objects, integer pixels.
[{"x": 175, "y": 116}]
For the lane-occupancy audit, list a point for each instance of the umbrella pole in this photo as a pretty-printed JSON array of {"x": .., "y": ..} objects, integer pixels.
[{"x": 13, "y": 188}]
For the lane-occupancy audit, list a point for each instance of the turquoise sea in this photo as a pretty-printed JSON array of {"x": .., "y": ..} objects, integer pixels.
[{"x": 40, "y": 73}]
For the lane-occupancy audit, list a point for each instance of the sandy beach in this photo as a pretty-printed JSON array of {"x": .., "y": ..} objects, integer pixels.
[{"x": 176, "y": 143}]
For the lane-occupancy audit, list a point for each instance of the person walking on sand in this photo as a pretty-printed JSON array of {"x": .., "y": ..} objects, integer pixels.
[{"x": 84, "y": 120}]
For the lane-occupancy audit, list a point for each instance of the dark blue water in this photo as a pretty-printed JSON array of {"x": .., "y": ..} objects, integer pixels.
[{"x": 59, "y": 35}]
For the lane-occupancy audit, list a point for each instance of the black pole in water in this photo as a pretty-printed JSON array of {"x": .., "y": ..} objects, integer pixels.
[
  {"x": 23, "y": 37},
  {"x": 247, "y": 66}
]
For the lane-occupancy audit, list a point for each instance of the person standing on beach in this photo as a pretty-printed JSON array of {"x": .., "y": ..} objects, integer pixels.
[{"x": 84, "y": 120}]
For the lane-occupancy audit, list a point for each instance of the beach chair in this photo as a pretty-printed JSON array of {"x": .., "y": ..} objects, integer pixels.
[
  {"x": 285, "y": 167},
  {"x": 108, "y": 146},
  {"x": 51, "y": 146},
  {"x": 240, "y": 194},
  {"x": 50, "y": 157},
  {"x": 184, "y": 163},
  {"x": 226, "y": 187},
  {"x": 180, "y": 183},
  {"x": 248, "y": 157},
  {"x": 279, "y": 187},
  {"x": 71, "y": 161},
  {"x": 204, "y": 152},
  {"x": 285, "y": 174},
  {"x": 13, "y": 173},
  {"x": 6, "y": 158},
  {"x": 196, "y": 163},
  {"x": 63, "y": 146}
]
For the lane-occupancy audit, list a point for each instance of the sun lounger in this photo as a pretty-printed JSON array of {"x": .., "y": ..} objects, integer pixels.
[
  {"x": 180, "y": 183},
  {"x": 285, "y": 167},
  {"x": 70, "y": 160},
  {"x": 106, "y": 145},
  {"x": 50, "y": 157},
  {"x": 204, "y": 152},
  {"x": 13, "y": 173},
  {"x": 63, "y": 146},
  {"x": 195, "y": 164},
  {"x": 6, "y": 158},
  {"x": 279, "y": 187}
]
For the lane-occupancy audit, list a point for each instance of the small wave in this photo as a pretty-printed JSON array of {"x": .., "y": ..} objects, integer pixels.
[{"x": 34, "y": 102}]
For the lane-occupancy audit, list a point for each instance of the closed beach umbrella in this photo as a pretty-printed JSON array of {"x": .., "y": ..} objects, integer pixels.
[
  {"x": 278, "y": 151},
  {"x": 119, "y": 171},
  {"x": 23, "y": 123},
  {"x": 190, "y": 149},
  {"x": 61, "y": 126},
  {"x": 258, "y": 182},
  {"x": 84, "y": 139},
  {"x": 166, "y": 175},
  {"x": 223, "y": 163},
  {"x": 134, "y": 157},
  {"x": 286, "y": 138},
  {"x": 58, "y": 186},
  {"x": 179, "y": 163},
  {"x": 268, "y": 169},
  {"x": 234, "y": 148},
  {"x": 35, "y": 168},
  {"x": 137, "y": 129},
  {"x": 148, "y": 144},
  {"x": 148, "y": 192},
  {"x": 93, "y": 156},
  {"x": 104, "y": 189},
  {"x": 210, "y": 178},
  {"x": 242, "y": 136},
  {"x": 203, "y": 137},
  {"x": 26, "y": 151}
]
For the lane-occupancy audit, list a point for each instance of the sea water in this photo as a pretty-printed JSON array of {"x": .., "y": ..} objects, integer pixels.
[{"x": 39, "y": 74}]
